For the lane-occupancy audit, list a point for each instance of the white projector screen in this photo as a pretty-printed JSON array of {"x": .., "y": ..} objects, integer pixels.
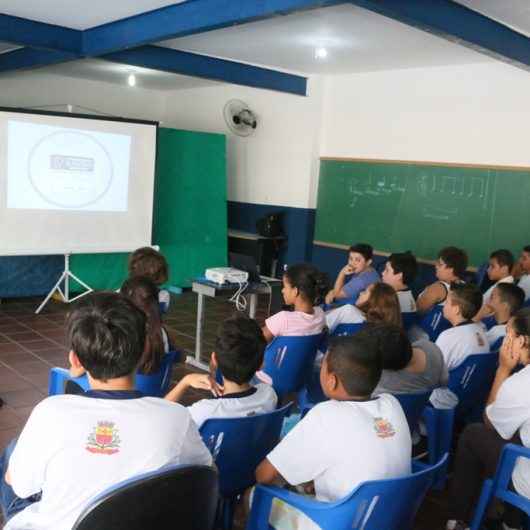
[{"x": 74, "y": 184}]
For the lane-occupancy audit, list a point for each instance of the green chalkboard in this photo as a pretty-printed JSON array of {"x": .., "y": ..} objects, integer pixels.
[
  {"x": 422, "y": 207},
  {"x": 189, "y": 213}
]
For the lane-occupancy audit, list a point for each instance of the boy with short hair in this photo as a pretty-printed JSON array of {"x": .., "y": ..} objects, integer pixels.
[
  {"x": 465, "y": 338},
  {"x": 75, "y": 446},
  {"x": 349, "y": 439},
  {"x": 523, "y": 266},
  {"x": 355, "y": 276},
  {"x": 238, "y": 355},
  {"x": 506, "y": 299},
  {"x": 400, "y": 271}
]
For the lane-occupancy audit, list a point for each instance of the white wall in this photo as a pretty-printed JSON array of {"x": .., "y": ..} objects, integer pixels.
[
  {"x": 470, "y": 114},
  {"x": 278, "y": 164}
]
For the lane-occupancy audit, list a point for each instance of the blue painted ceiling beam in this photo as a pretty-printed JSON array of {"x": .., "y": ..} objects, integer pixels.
[
  {"x": 187, "y": 18},
  {"x": 459, "y": 24},
  {"x": 24, "y": 32},
  {"x": 202, "y": 66},
  {"x": 28, "y": 58}
]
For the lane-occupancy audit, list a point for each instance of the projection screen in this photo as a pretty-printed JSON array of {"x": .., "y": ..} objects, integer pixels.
[{"x": 74, "y": 184}]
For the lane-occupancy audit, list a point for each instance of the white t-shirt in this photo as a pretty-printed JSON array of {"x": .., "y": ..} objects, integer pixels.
[
  {"x": 456, "y": 344},
  {"x": 258, "y": 400},
  {"x": 495, "y": 333},
  {"x": 74, "y": 446},
  {"x": 487, "y": 295},
  {"x": 524, "y": 284},
  {"x": 407, "y": 303},
  {"x": 510, "y": 413},
  {"x": 340, "y": 444},
  {"x": 296, "y": 323},
  {"x": 346, "y": 314}
]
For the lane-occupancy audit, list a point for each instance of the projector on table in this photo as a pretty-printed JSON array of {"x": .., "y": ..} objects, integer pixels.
[{"x": 223, "y": 275}]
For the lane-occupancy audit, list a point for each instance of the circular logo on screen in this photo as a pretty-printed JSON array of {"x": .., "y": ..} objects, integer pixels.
[{"x": 70, "y": 169}]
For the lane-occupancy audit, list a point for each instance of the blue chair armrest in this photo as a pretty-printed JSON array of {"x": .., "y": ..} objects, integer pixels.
[
  {"x": 170, "y": 358},
  {"x": 509, "y": 455}
]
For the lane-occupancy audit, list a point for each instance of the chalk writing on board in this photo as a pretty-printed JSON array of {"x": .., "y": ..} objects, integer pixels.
[
  {"x": 467, "y": 188},
  {"x": 440, "y": 214}
]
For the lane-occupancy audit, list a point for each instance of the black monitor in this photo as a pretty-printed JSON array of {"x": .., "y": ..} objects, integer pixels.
[{"x": 245, "y": 263}]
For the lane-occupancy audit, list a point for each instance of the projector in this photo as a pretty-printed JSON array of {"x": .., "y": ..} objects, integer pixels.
[{"x": 223, "y": 275}]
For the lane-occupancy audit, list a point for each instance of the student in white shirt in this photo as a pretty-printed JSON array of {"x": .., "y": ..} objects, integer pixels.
[
  {"x": 499, "y": 271},
  {"x": 465, "y": 338},
  {"x": 400, "y": 271},
  {"x": 238, "y": 355},
  {"x": 506, "y": 420},
  {"x": 506, "y": 299},
  {"x": 522, "y": 268},
  {"x": 351, "y": 438},
  {"x": 75, "y": 446}
]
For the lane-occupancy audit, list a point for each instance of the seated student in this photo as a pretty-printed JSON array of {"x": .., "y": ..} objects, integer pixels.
[
  {"x": 355, "y": 276},
  {"x": 407, "y": 368},
  {"x": 238, "y": 355},
  {"x": 506, "y": 420},
  {"x": 75, "y": 446},
  {"x": 377, "y": 303},
  {"x": 351, "y": 438},
  {"x": 150, "y": 263},
  {"x": 499, "y": 271},
  {"x": 450, "y": 268},
  {"x": 465, "y": 338},
  {"x": 522, "y": 270},
  {"x": 400, "y": 271},
  {"x": 506, "y": 299},
  {"x": 303, "y": 288}
]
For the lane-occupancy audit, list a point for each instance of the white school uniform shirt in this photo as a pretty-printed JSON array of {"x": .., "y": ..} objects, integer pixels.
[
  {"x": 407, "y": 303},
  {"x": 340, "y": 444},
  {"x": 456, "y": 344},
  {"x": 487, "y": 295},
  {"x": 346, "y": 314},
  {"x": 510, "y": 413},
  {"x": 524, "y": 284},
  {"x": 495, "y": 333},
  {"x": 75, "y": 446},
  {"x": 258, "y": 400}
]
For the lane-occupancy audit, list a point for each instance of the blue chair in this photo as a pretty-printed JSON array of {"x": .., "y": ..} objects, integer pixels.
[
  {"x": 481, "y": 273},
  {"x": 289, "y": 362},
  {"x": 156, "y": 384},
  {"x": 238, "y": 445},
  {"x": 499, "y": 486},
  {"x": 185, "y": 496},
  {"x": 413, "y": 406},
  {"x": 375, "y": 505},
  {"x": 346, "y": 330},
  {"x": 433, "y": 322},
  {"x": 489, "y": 322}
]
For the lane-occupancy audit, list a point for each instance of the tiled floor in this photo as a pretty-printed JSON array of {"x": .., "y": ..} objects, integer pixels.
[{"x": 30, "y": 344}]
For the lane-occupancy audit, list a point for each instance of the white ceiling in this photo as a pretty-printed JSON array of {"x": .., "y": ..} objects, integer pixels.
[{"x": 512, "y": 13}]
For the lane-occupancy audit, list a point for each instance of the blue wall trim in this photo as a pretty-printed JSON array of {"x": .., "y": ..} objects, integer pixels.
[
  {"x": 32, "y": 58},
  {"x": 457, "y": 23},
  {"x": 196, "y": 65}
]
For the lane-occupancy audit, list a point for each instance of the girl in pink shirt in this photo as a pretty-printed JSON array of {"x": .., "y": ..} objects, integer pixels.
[{"x": 303, "y": 287}]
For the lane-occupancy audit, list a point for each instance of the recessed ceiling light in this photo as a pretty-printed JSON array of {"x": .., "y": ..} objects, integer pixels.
[
  {"x": 321, "y": 53},
  {"x": 131, "y": 80}
]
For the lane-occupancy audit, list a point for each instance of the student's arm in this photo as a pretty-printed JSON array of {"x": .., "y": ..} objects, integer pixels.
[
  {"x": 432, "y": 295},
  {"x": 340, "y": 281},
  {"x": 484, "y": 312},
  {"x": 267, "y": 333},
  {"x": 275, "y": 326},
  {"x": 266, "y": 473},
  {"x": 200, "y": 381}
]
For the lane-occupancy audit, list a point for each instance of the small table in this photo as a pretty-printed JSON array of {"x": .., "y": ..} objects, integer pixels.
[{"x": 204, "y": 287}]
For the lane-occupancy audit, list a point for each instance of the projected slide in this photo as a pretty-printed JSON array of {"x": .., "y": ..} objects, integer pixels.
[{"x": 58, "y": 168}]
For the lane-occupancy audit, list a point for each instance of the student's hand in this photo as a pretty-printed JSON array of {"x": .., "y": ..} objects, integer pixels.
[
  {"x": 508, "y": 358},
  {"x": 346, "y": 270},
  {"x": 330, "y": 297},
  {"x": 309, "y": 488},
  {"x": 199, "y": 381}
]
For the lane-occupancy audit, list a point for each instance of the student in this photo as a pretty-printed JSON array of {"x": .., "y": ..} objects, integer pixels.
[
  {"x": 506, "y": 420},
  {"x": 450, "y": 268},
  {"x": 506, "y": 299},
  {"x": 303, "y": 288},
  {"x": 377, "y": 303},
  {"x": 350, "y": 439},
  {"x": 360, "y": 272},
  {"x": 148, "y": 262},
  {"x": 463, "y": 339},
  {"x": 238, "y": 355},
  {"x": 523, "y": 272},
  {"x": 407, "y": 368},
  {"x": 400, "y": 271},
  {"x": 75, "y": 446}
]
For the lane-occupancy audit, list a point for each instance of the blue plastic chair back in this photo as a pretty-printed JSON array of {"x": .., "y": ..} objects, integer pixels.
[
  {"x": 499, "y": 486},
  {"x": 433, "y": 322},
  {"x": 345, "y": 330},
  {"x": 238, "y": 445},
  {"x": 410, "y": 319},
  {"x": 413, "y": 406},
  {"x": 471, "y": 383},
  {"x": 376, "y": 505},
  {"x": 489, "y": 322},
  {"x": 155, "y": 385},
  {"x": 481, "y": 273},
  {"x": 187, "y": 494},
  {"x": 289, "y": 361}
]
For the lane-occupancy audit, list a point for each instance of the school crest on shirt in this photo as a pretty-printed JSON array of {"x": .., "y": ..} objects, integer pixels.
[
  {"x": 480, "y": 340},
  {"x": 383, "y": 428},
  {"x": 104, "y": 439}
]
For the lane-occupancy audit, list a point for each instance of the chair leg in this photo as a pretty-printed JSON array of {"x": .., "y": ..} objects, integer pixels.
[
  {"x": 482, "y": 505},
  {"x": 228, "y": 508}
]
